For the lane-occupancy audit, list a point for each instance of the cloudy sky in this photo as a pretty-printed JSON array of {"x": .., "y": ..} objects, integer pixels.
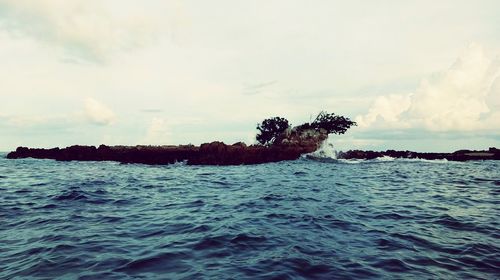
[{"x": 421, "y": 75}]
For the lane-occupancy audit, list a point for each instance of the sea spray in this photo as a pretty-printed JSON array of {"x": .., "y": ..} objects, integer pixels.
[{"x": 326, "y": 151}]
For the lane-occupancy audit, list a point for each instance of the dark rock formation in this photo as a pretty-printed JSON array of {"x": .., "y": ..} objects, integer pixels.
[
  {"x": 124, "y": 154},
  {"x": 290, "y": 146},
  {"x": 309, "y": 139},
  {"x": 215, "y": 153},
  {"x": 218, "y": 153},
  {"x": 286, "y": 144},
  {"x": 461, "y": 155}
]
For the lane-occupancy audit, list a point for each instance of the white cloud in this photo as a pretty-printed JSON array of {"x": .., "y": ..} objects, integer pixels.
[
  {"x": 98, "y": 113},
  {"x": 218, "y": 63},
  {"x": 463, "y": 98},
  {"x": 86, "y": 29},
  {"x": 386, "y": 109}
]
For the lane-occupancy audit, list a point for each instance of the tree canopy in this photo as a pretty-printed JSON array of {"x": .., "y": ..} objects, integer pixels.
[
  {"x": 270, "y": 129},
  {"x": 332, "y": 123}
]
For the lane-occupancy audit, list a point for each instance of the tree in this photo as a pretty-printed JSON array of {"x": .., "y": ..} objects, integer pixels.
[
  {"x": 332, "y": 123},
  {"x": 270, "y": 129}
]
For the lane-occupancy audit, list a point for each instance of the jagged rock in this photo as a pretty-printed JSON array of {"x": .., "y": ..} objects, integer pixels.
[
  {"x": 218, "y": 153},
  {"x": 290, "y": 145},
  {"x": 461, "y": 155},
  {"x": 214, "y": 153},
  {"x": 309, "y": 139}
]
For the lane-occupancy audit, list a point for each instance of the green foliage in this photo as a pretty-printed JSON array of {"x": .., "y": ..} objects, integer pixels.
[
  {"x": 270, "y": 129},
  {"x": 332, "y": 123}
]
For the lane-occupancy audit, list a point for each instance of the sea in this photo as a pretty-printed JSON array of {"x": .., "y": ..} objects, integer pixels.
[{"x": 314, "y": 218}]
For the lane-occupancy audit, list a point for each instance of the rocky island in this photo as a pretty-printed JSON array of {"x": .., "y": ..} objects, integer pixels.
[{"x": 278, "y": 141}]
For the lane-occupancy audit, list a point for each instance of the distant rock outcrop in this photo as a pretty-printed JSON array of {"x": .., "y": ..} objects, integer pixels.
[{"x": 461, "y": 155}]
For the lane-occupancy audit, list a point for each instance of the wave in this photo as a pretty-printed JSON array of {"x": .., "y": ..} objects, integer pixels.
[
  {"x": 387, "y": 159},
  {"x": 289, "y": 220},
  {"x": 426, "y": 160},
  {"x": 327, "y": 153}
]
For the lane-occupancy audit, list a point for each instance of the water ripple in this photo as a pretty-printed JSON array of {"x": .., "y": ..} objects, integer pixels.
[{"x": 290, "y": 220}]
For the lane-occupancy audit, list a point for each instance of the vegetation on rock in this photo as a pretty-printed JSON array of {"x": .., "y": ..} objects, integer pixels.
[
  {"x": 330, "y": 122},
  {"x": 273, "y": 130}
]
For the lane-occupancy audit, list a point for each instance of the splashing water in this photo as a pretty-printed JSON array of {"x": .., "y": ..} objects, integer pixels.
[{"x": 326, "y": 151}]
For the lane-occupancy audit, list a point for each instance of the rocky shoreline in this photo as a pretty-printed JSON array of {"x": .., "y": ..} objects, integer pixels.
[
  {"x": 461, "y": 155},
  {"x": 215, "y": 153},
  {"x": 218, "y": 153},
  {"x": 289, "y": 144},
  {"x": 278, "y": 142}
]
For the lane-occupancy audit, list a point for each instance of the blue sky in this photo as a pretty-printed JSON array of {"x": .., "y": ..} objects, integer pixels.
[{"x": 418, "y": 75}]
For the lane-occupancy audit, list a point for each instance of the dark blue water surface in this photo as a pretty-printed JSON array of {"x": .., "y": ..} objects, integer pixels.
[{"x": 305, "y": 219}]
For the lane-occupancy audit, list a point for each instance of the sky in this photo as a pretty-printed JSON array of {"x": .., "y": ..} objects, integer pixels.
[{"x": 417, "y": 75}]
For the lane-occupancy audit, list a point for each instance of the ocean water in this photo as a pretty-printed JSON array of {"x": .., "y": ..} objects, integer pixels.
[{"x": 304, "y": 219}]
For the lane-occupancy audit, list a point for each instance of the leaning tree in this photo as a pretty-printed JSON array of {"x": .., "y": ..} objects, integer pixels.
[{"x": 332, "y": 123}]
